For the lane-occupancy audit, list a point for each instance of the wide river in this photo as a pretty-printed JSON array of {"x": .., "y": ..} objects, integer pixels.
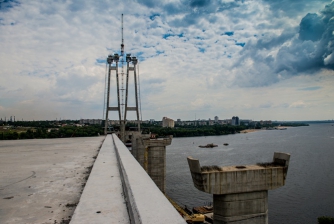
[{"x": 309, "y": 189}]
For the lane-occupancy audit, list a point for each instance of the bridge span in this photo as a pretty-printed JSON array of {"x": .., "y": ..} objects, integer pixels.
[
  {"x": 120, "y": 191},
  {"x": 41, "y": 182}
]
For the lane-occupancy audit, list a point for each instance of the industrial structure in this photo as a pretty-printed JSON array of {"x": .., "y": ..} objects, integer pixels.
[
  {"x": 122, "y": 104},
  {"x": 240, "y": 193},
  {"x": 149, "y": 151}
]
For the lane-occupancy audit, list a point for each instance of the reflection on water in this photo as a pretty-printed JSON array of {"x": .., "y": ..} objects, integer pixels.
[{"x": 309, "y": 189}]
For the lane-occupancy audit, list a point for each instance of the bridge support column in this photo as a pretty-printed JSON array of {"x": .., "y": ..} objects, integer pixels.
[
  {"x": 138, "y": 147},
  {"x": 250, "y": 208},
  {"x": 151, "y": 155},
  {"x": 240, "y": 193}
]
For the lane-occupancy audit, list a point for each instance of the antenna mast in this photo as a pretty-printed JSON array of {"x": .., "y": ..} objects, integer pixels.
[{"x": 122, "y": 44}]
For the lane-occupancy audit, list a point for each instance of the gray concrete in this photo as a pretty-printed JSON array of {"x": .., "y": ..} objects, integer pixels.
[
  {"x": 151, "y": 155},
  {"x": 155, "y": 160},
  {"x": 138, "y": 147},
  {"x": 102, "y": 200},
  {"x": 146, "y": 203},
  {"x": 39, "y": 177},
  {"x": 240, "y": 193},
  {"x": 242, "y": 208}
]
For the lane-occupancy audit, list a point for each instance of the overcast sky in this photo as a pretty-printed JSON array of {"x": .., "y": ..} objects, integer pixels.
[{"x": 260, "y": 60}]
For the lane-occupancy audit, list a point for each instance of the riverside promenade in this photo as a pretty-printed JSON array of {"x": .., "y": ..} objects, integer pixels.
[{"x": 44, "y": 181}]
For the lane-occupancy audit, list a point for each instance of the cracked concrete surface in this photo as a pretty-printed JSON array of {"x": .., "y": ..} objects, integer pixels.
[{"x": 41, "y": 180}]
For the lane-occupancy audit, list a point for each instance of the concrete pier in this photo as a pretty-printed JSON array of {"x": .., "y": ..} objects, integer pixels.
[
  {"x": 155, "y": 160},
  {"x": 151, "y": 155},
  {"x": 240, "y": 193}
]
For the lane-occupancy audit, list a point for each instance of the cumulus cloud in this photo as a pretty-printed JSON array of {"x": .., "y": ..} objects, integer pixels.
[
  {"x": 305, "y": 49},
  {"x": 288, "y": 8},
  {"x": 193, "y": 55}
]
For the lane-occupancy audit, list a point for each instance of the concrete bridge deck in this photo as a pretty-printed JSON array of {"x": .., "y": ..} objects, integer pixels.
[{"x": 41, "y": 180}]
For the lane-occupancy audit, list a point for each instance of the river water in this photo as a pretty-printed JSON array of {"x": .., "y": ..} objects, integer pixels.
[{"x": 309, "y": 189}]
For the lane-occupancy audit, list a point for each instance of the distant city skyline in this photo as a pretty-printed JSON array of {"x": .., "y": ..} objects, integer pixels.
[{"x": 260, "y": 60}]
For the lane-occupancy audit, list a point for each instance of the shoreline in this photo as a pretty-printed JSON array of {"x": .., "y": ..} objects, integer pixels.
[{"x": 250, "y": 130}]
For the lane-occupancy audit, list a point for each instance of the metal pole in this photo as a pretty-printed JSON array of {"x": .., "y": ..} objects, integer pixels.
[
  {"x": 121, "y": 122},
  {"x": 128, "y": 59},
  {"x": 117, "y": 80},
  {"x": 136, "y": 91},
  {"x": 109, "y": 60}
]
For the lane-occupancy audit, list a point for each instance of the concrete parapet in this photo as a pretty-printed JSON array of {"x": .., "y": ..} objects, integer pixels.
[
  {"x": 102, "y": 200},
  {"x": 120, "y": 191},
  {"x": 240, "y": 193},
  {"x": 144, "y": 199}
]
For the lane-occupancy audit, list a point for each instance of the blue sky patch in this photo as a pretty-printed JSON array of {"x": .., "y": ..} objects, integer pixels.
[
  {"x": 240, "y": 44},
  {"x": 101, "y": 61},
  {"x": 310, "y": 88},
  {"x": 229, "y": 33},
  {"x": 139, "y": 56},
  {"x": 201, "y": 49},
  {"x": 165, "y": 36},
  {"x": 152, "y": 17}
]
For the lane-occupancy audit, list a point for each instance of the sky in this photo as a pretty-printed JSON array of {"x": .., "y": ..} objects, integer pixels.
[{"x": 256, "y": 59}]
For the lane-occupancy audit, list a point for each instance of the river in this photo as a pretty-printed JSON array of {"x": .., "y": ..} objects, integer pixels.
[{"x": 309, "y": 189}]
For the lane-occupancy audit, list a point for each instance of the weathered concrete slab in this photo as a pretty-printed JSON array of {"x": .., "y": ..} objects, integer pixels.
[
  {"x": 41, "y": 179},
  {"x": 102, "y": 200}
]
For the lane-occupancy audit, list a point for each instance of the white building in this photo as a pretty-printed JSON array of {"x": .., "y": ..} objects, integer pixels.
[{"x": 167, "y": 122}]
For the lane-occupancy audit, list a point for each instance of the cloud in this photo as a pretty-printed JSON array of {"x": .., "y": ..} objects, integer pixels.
[
  {"x": 305, "y": 49},
  {"x": 311, "y": 27},
  {"x": 194, "y": 56},
  {"x": 313, "y": 88},
  {"x": 8, "y": 4},
  {"x": 289, "y": 8},
  {"x": 298, "y": 104},
  {"x": 266, "y": 105},
  {"x": 313, "y": 48}
]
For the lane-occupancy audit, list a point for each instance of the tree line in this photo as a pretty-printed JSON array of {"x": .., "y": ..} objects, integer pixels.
[
  {"x": 59, "y": 132},
  {"x": 192, "y": 131}
]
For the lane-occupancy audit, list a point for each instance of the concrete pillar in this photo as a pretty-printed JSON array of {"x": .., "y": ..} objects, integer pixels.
[
  {"x": 156, "y": 165},
  {"x": 155, "y": 160},
  {"x": 242, "y": 208},
  {"x": 138, "y": 148},
  {"x": 151, "y": 155},
  {"x": 240, "y": 193}
]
